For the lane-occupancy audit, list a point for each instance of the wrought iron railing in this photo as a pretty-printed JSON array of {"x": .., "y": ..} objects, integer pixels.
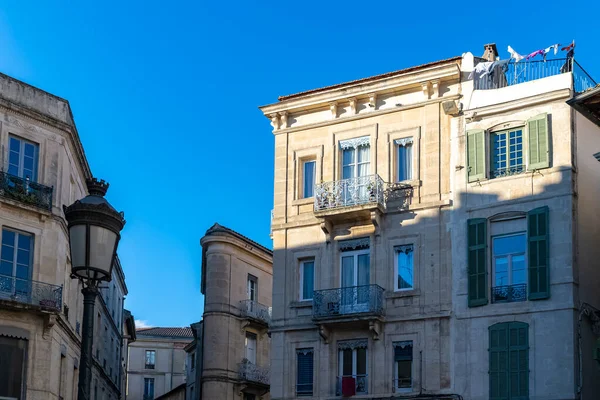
[
  {"x": 253, "y": 373},
  {"x": 347, "y": 301},
  {"x": 26, "y": 291},
  {"x": 509, "y": 293},
  {"x": 360, "y": 382},
  {"x": 25, "y": 191},
  {"x": 514, "y": 73},
  {"x": 349, "y": 192},
  {"x": 255, "y": 310},
  {"x": 508, "y": 171}
]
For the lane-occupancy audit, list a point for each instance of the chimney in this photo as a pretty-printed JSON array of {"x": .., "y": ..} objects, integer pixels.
[{"x": 491, "y": 52}]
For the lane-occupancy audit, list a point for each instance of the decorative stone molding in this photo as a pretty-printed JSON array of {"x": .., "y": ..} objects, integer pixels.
[
  {"x": 375, "y": 329},
  {"x": 426, "y": 88},
  {"x": 376, "y": 221},
  {"x": 23, "y": 125},
  {"x": 333, "y": 109},
  {"x": 353, "y": 344},
  {"x": 274, "y": 121},
  {"x": 435, "y": 88},
  {"x": 352, "y": 101},
  {"x": 327, "y": 230},
  {"x": 355, "y": 142},
  {"x": 283, "y": 120},
  {"x": 324, "y": 333},
  {"x": 373, "y": 101}
]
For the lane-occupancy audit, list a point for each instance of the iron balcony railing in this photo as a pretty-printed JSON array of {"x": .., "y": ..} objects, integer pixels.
[
  {"x": 25, "y": 191},
  {"x": 26, "y": 291},
  {"x": 515, "y": 73},
  {"x": 360, "y": 382},
  {"x": 349, "y": 192},
  {"x": 509, "y": 293},
  {"x": 348, "y": 301},
  {"x": 255, "y": 310},
  {"x": 253, "y": 373}
]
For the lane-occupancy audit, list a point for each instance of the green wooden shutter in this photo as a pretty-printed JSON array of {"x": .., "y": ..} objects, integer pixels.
[
  {"x": 539, "y": 252},
  {"x": 475, "y": 155},
  {"x": 477, "y": 261},
  {"x": 518, "y": 360},
  {"x": 498, "y": 354},
  {"x": 539, "y": 146}
]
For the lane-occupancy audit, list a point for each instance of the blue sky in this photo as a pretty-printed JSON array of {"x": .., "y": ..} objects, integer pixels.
[{"x": 165, "y": 97}]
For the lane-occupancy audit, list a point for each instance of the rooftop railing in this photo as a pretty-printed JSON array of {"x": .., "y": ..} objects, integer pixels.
[
  {"x": 25, "y": 191},
  {"x": 26, "y": 291},
  {"x": 515, "y": 73}
]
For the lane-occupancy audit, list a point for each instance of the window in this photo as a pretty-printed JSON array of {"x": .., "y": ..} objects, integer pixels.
[
  {"x": 22, "y": 158},
  {"x": 352, "y": 366},
  {"x": 356, "y": 164},
  {"x": 12, "y": 367},
  {"x": 404, "y": 267},
  {"x": 307, "y": 279},
  {"x": 304, "y": 372},
  {"x": 148, "y": 388},
  {"x": 513, "y": 150},
  {"x": 403, "y": 359},
  {"x": 252, "y": 287},
  {"x": 150, "y": 359},
  {"x": 507, "y": 153},
  {"x": 308, "y": 178},
  {"x": 250, "y": 347},
  {"x": 355, "y": 274},
  {"x": 509, "y": 361},
  {"x": 15, "y": 263},
  {"x": 510, "y": 280},
  {"x": 404, "y": 161}
]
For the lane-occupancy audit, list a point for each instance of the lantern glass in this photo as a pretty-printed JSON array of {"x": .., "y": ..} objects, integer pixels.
[
  {"x": 102, "y": 249},
  {"x": 78, "y": 244}
]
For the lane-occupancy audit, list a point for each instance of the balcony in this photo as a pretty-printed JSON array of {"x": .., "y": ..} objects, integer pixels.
[
  {"x": 253, "y": 379},
  {"x": 349, "y": 198},
  {"x": 27, "y": 292},
  {"x": 360, "y": 385},
  {"x": 255, "y": 315},
  {"x": 509, "y": 293},
  {"x": 25, "y": 191},
  {"x": 526, "y": 71}
]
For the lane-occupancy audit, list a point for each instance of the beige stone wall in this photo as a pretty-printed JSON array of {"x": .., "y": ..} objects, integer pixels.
[{"x": 228, "y": 261}]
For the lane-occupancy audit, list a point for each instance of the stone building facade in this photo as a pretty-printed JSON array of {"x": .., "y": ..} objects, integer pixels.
[
  {"x": 156, "y": 362},
  {"x": 432, "y": 236},
  {"x": 43, "y": 168},
  {"x": 233, "y": 346},
  {"x": 128, "y": 337}
]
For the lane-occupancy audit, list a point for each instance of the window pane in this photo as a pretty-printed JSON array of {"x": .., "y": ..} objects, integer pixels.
[
  {"x": 405, "y": 269},
  {"x": 364, "y": 154},
  {"x": 361, "y": 361},
  {"x": 12, "y": 353},
  {"x": 309, "y": 178},
  {"x": 348, "y": 157},
  {"x": 501, "y": 271},
  {"x": 347, "y": 362},
  {"x": 308, "y": 279},
  {"x": 404, "y": 162},
  {"x": 518, "y": 269},
  {"x": 404, "y": 374},
  {"x": 510, "y": 244}
]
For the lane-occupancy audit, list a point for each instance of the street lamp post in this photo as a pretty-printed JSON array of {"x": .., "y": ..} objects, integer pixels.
[{"x": 94, "y": 233}]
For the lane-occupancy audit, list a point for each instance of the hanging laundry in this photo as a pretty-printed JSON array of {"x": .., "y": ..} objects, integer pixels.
[
  {"x": 496, "y": 64},
  {"x": 569, "y": 47},
  {"x": 535, "y": 53},
  {"x": 480, "y": 69},
  {"x": 550, "y": 48},
  {"x": 515, "y": 55}
]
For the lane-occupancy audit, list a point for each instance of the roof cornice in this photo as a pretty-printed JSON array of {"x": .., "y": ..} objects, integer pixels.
[{"x": 401, "y": 81}]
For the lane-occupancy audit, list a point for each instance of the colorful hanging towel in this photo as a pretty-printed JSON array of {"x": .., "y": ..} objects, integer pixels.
[
  {"x": 348, "y": 386},
  {"x": 548, "y": 49},
  {"x": 569, "y": 47},
  {"x": 535, "y": 53},
  {"x": 515, "y": 55}
]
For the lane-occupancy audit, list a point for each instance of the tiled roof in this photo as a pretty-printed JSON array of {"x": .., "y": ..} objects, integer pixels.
[
  {"x": 216, "y": 228},
  {"x": 166, "y": 332},
  {"x": 368, "y": 79}
]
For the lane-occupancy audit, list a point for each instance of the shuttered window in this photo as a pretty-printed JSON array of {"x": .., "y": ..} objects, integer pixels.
[
  {"x": 477, "y": 262},
  {"x": 476, "y": 154},
  {"x": 509, "y": 361},
  {"x": 304, "y": 372},
  {"x": 539, "y": 273},
  {"x": 539, "y": 147}
]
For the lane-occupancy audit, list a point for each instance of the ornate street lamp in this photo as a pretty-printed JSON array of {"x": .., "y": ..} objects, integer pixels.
[{"x": 94, "y": 233}]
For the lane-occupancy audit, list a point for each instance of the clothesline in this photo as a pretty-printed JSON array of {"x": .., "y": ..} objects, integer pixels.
[{"x": 543, "y": 52}]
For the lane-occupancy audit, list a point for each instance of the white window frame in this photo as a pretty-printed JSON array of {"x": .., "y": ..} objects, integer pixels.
[
  {"x": 153, "y": 352},
  {"x": 354, "y": 366},
  {"x": 396, "y": 289},
  {"x": 301, "y": 289},
  {"x": 355, "y": 254},
  {"x": 412, "y": 158},
  {"x": 252, "y": 288},
  {"x": 509, "y": 266},
  {"x": 16, "y": 248},
  {"x": 24, "y": 141},
  {"x": 412, "y": 379},
  {"x": 251, "y": 337}
]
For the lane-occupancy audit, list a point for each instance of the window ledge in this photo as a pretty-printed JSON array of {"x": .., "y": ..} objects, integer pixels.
[
  {"x": 300, "y": 202},
  {"x": 301, "y": 304},
  {"x": 412, "y": 182},
  {"x": 402, "y": 293},
  {"x": 525, "y": 174}
]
